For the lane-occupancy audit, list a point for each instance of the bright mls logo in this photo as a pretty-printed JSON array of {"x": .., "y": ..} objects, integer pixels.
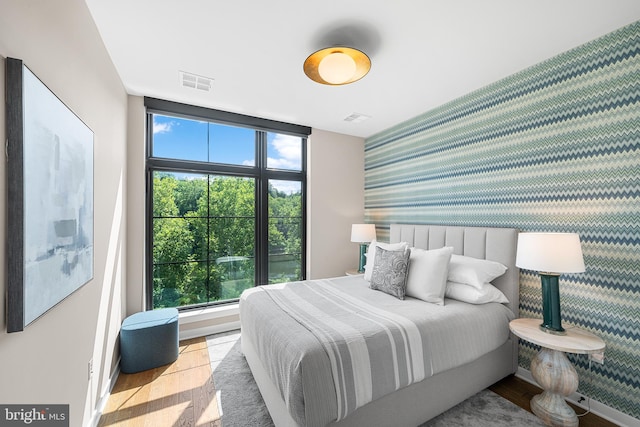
[{"x": 34, "y": 415}]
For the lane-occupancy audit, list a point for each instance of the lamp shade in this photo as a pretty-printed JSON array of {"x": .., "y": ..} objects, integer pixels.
[
  {"x": 550, "y": 252},
  {"x": 362, "y": 233}
]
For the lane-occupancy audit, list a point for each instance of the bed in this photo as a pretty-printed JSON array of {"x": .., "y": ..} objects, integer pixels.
[{"x": 302, "y": 377}]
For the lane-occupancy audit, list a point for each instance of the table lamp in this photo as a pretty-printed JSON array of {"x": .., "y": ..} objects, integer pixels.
[
  {"x": 550, "y": 254},
  {"x": 363, "y": 234}
]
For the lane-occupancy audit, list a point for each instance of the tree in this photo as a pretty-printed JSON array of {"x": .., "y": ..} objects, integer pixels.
[
  {"x": 172, "y": 241},
  {"x": 285, "y": 235},
  {"x": 204, "y": 237}
]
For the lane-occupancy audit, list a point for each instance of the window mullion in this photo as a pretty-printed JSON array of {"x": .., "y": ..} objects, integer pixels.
[
  {"x": 208, "y": 263},
  {"x": 262, "y": 211}
]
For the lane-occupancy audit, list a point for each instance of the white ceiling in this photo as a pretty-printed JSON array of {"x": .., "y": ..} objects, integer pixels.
[{"x": 423, "y": 52}]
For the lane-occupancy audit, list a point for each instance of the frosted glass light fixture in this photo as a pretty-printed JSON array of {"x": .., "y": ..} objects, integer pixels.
[
  {"x": 363, "y": 234},
  {"x": 550, "y": 254},
  {"x": 337, "y": 65}
]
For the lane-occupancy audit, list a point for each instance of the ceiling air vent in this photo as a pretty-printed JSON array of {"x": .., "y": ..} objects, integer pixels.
[
  {"x": 356, "y": 118},
  {"x": 195, "y": 81}
]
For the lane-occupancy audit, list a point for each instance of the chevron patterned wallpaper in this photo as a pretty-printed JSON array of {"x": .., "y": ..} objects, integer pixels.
[{"x": 555, "y": 147}]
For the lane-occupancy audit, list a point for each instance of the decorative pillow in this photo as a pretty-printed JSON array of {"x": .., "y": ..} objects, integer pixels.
[
  {"x": 466, "y": 293},
  {"x": 390, "y": 271},
  {"x": 428, "y": 274},
  {"x": 473, "y": 271},
  {"x": 371, "y": 254}
]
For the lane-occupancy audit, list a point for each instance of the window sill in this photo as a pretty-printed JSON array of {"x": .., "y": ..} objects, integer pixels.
[
  {"x": 209, "y": 313},
  {"x": 209, "y": 320}
]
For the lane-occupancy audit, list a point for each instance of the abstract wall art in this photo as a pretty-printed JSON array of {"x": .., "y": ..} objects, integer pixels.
[{"x": 50, "y": 198}]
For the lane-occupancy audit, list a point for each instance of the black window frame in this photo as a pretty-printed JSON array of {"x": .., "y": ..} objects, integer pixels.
[{"x": 258, "y": 171}]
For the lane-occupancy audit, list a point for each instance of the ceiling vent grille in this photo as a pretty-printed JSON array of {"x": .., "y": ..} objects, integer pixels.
[
  {"x": 356, "y": 118},
  {"x": 195, "y": 81}
]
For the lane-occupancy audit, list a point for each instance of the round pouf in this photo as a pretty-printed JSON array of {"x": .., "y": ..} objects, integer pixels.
[{"x": 148, "y": 339}]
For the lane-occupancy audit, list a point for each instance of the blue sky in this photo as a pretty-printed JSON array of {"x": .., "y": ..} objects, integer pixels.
[
  {"x": 188, "y": 139},
  {"x": 179, "y": 138}
]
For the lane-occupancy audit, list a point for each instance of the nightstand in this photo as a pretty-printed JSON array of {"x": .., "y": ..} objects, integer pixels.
[
  {"x": 552, "y": 370},
  {"x": 352, "y": 272}
]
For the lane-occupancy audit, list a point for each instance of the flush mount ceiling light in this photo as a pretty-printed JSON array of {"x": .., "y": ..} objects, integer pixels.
[{"x": 337, "y": 65}]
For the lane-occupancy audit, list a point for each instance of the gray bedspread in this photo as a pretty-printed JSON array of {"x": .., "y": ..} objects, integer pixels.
[{"x": 331, "y": 346}]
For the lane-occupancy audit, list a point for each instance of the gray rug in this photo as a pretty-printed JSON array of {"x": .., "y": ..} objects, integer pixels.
[{"x": 241, "y": 404}]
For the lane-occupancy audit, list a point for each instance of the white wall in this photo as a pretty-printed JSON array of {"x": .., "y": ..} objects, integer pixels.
[
  {"x": 47, "y": 363},
  {"x": 136, "y": 160},
  {"x": 335, "y": 201}
]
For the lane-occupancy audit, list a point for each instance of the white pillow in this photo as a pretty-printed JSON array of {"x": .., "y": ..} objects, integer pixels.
[
  {"x": 466, "y": 293},
  {"x": 371, "y": 254},
  {"x": 473, "y": 271},
  {"x": 428, "y": 274}
]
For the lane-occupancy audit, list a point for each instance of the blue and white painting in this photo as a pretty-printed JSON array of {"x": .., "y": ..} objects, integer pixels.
[{"x": 58, "y": 200}]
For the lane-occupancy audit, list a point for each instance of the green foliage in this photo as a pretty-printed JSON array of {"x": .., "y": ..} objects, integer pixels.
[
  {"x": 173, "y": 241},
  {"x": 204, "y": 238}
]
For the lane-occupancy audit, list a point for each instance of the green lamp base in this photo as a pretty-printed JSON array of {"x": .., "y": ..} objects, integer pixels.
[
  {"x": 551, "y": 317},
  {"x": 363, "y": 257}
]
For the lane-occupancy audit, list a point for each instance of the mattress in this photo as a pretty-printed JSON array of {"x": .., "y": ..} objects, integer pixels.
[{"x": 331, "y": 346}]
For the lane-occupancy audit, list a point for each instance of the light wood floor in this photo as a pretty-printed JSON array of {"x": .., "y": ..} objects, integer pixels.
[
  {"x": 183, "y": 394},
  {"x": 179, "y": 394}
]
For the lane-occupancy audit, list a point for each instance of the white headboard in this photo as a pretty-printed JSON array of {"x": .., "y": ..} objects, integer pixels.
[{"x": 495, "y": 244}]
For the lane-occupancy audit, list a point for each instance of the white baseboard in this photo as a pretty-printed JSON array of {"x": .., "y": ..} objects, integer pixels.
[
  {"x": 598, "y": 408},
  {"x": 99, "y": 409}
]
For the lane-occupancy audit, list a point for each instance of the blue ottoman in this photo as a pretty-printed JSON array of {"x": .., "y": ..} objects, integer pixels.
[{"x": 149, "y": 339}]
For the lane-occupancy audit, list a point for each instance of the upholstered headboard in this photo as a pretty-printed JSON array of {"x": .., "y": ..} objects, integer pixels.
[{"x": 495, "y": 244}]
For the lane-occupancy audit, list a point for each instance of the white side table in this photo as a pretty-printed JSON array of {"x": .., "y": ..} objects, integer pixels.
[{"x": 552, "y": 370}]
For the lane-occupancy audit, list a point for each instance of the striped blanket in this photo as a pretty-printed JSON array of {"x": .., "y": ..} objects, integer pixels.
[
  {"x": 360, "y": 340},
  {"x": 331, "y": 346}
]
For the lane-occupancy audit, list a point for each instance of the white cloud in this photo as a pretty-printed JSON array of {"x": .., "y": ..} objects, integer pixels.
[
  {"x": 287, "y": 187},
  {"x": 288, "y": 149},
  {"x": 162, "y": 127}
]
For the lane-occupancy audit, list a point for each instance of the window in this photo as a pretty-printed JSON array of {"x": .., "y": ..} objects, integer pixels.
[{"x": 226, "y": 204}]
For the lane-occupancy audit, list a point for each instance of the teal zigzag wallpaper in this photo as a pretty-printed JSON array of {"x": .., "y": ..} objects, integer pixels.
[{"x": 556, "y": 148}]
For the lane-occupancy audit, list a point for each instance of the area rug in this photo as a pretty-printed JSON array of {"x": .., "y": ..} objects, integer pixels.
[{"x": 241, "y": 404}]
